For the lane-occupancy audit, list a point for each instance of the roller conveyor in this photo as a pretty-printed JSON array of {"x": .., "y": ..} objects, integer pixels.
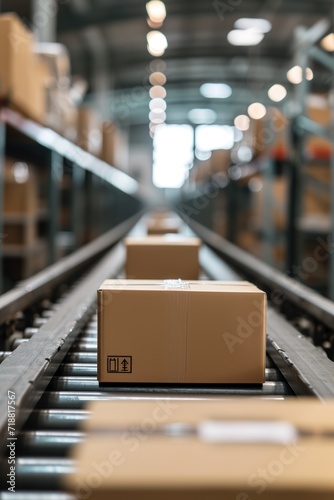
[{"x": 54, "y": 408}]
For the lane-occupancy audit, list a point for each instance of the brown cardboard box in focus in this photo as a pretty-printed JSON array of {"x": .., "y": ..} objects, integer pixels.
[
  {"x": 89, "y": 131},
  {"x": 163, "y": 226},
  {"x": 169, "y": 256},
  {"x": 134, "y": 465},
  {"x": 181, "y": 332},
  {"x": 21, "y": 73}
]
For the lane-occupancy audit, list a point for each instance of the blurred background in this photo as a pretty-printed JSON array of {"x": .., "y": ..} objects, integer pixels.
[{"x": 222, "y": 109}]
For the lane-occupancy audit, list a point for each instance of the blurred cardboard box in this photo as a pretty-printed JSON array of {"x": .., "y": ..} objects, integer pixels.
[
  {"x": 319, "y": 110},
  {"x": 22, "y": 75},
  {"x": 89, "y": 131},
  {"x": 161, "y": 214},
  {"x": 169, "y": 256},
  {"x": 236, "y": 450},
  {"x": 20, "y": 193},
  {"x": 61, "y": 112},
  {"x": 108, "y": 143},
  {"x": 163, "y": 226},
  {"x": 175, "y": 331}
]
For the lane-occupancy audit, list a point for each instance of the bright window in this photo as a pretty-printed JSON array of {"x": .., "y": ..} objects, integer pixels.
[
  {"x": 173, "y": 147},
  {"x": 210, "y": 137}
]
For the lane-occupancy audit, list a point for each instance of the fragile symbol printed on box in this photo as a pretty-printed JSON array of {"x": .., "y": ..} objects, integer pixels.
[{"x": 119, "y": 364}]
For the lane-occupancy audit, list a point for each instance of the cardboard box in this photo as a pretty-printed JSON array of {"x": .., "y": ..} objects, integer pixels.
[
  {"x": 143, "y": 461},
  {"x": 20, "y": 196},
  {"x": 163, "y": 226},
  {"x": 108, "y": 143},
  {"x": 22, "y": 233},
  {"x": 21, "y": 74},
  {"x": 306, "y": 414},
  {"x": 202, "y": 332},
  {"x": 89, "y": 131},
  {"x": 169, "y": 256},
  {"x": 161, "y": 214}
]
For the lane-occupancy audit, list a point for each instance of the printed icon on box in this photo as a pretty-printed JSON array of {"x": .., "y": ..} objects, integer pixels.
[{"x": 119, "y": 364}]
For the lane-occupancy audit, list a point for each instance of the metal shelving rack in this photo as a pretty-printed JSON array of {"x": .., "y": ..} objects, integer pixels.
[
  {"x": 306, "y": 50},
  {"x": 100, "y": 194}
]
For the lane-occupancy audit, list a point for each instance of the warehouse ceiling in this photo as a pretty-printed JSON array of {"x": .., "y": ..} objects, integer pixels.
[{"x": 107, "y": 44}]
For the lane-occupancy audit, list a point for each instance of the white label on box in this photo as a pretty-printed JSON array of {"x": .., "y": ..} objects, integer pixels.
[{"x": 247, "y": 432}]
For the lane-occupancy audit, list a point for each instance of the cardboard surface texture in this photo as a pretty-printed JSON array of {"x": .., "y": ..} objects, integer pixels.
[
  {"x": 181, "y": 332},
  {"x": 136, "y": 464},
  {"x": 162, "y": 257}
]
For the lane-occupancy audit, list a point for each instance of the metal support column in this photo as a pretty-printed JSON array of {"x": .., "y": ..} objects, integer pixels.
[
  {"x": 295, "y": 200},
  {"x": 232, "y": 207},
  {"x": 2, "y": 157},
  {"x": 55, "y": 175},
  {"x": 77, "y": 202},
  {"x": 90, "y": 231}
]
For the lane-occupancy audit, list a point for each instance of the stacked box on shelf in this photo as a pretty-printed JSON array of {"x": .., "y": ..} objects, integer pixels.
[
  {"x": 22, "y": 73},
  {"x": 23, "y": 251},
  {"x": 89, "y": 131},
  {"x": 61, "y": 112}
]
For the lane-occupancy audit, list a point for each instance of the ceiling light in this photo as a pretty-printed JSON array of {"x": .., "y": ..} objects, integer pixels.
[
  {"x": 157, "y": 78},
  {"x": 242, "y": 122},
  {"x": 238, "y": 135},
  {"x": 215, "y": 90},
  {"x": 244, "y": 37},
  {"x": 202, "y": 116},
  {"x": 158, "y": 65},
  {"x": 256, "y": 24},
  {"x": 327, "y": 42},
  {"x": 295, "y": 75},
  {"x": 156, "y": 11},
  {"x": 277, "y": 92},
  {"x": 157, "y": 91},
  {"x": 157, "y": 117},
  {"x": 155, "y": 52},
  {"x": 156, "y": 43},
  {"x": 244, "y": 154},
  {"x": 257, "y": 111},
  {"x": 158, "y": 105},
  {"x": 255, "y": 184}
]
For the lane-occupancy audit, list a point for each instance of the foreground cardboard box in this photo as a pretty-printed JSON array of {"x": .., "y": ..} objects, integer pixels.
[
  {"x": 181, "y": 332},
  {"x": 162, "y": 257},
  {"x": 22, "y": 75},
  {"x": 307, "y": 414},
  {"x": 140, "y": 463},
  {"x": 163, "y": 226}
]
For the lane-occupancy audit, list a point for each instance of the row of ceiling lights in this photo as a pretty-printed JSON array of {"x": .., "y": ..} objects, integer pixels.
[
  {"x": 156, "y": 46},
  {"x": 247, "y": 32}
]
